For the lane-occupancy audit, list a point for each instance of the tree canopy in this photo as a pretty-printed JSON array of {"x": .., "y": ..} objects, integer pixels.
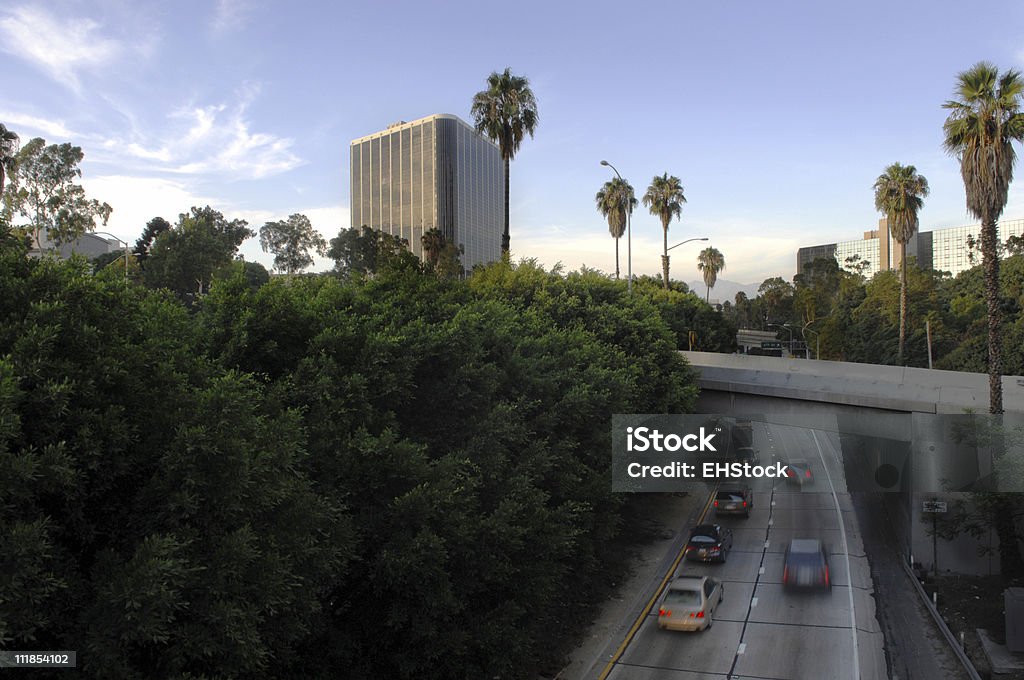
[
  {"x": 291, "y": 241},
  {"x": 45, "y": 193}
]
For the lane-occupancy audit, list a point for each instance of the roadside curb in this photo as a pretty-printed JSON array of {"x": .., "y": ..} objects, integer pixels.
[{"x": 946, "y": 632}]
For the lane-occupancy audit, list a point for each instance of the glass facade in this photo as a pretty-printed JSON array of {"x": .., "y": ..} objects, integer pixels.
[
  {"x": 950, "y": 252},
  {"x": 433, "y": 172},
  {"x": 943, "y": 250},
  {"x": 867, "y": 249},
  {"x": 809, "y": 254}
]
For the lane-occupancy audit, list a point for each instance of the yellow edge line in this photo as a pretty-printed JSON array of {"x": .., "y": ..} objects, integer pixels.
[{"x": 657, "y": 593}]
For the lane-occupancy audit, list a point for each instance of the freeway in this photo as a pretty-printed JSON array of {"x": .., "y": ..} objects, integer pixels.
[{"x": 759, "y": 630}]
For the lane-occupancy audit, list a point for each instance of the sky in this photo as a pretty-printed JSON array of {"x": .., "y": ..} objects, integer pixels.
[{"x": 777, "y": 117}]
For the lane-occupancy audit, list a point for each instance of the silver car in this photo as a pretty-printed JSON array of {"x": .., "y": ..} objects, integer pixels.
[{"x": 690, "y": 603}]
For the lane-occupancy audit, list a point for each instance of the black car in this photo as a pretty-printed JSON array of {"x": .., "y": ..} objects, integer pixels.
[
  {"x": 737, "y": 500},
  {"x": 708, "y": 543},
  {"x": 799, "y": 472},
  {"x": 806, "y": 565}
]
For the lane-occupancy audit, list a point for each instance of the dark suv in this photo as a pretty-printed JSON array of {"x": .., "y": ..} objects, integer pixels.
[
  {"x": 734, "y": 501},
  {"x": 806, "y": 565}
]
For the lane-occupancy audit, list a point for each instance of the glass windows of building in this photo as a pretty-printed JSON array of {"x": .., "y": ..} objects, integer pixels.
[
  {"x": 866, "y": 250},
  {"x": 434, "y": 172},
  {"x": 952, "y": 253}
]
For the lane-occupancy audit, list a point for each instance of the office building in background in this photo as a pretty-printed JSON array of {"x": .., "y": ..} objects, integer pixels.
[
  {"x": 947, "y": 250},
  {"x": 435, "y": 172}
]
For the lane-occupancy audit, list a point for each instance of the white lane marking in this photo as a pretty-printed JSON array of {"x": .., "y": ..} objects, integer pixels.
[
  {"x": 767, "y": 544},
  {"x": 742, "y": 649},
  {"x": 761, "y": 571},
  {"x": 753, "y": 603},
  {"x": 773, "y": 503},
  {"x": 770, "y": 522},
  {"x": 846, "y": 554}
]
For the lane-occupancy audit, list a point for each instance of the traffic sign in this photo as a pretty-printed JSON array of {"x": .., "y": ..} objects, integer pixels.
[{"x": 771, "y": 345}]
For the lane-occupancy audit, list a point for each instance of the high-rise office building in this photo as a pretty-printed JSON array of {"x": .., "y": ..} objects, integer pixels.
[
  {"x": 951, "y": 250},
  {"x": 946, "y": 250},
  {"x": 435, "y": 172}
]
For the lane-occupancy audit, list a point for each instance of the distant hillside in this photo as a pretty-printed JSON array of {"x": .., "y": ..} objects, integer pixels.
[{"x": 724, "y": 290}]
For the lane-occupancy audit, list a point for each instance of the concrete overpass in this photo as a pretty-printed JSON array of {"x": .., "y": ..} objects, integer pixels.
[
  {"x": 738, "y": 382},
  {"x": 883, "y": 407}
]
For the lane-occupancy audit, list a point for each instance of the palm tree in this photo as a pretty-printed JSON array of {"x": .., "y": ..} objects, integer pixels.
[
  {"x": 665, "y": 200},
  {"x": 984, "y": 120},
  {"x": 433, "y": 245},
  {"x": 710, "y": 262},
  {"x": 899, "y": 194},
  {"x": 8, "y": 151},
  {"x": 506, "y": 111},
  {"x": 615, "y": 201}
]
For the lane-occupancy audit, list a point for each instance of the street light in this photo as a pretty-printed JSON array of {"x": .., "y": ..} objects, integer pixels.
[
  {"x": 817, "y": 342},
  {"x": 687, "y": 241},
  {"x": 107, "y": 233},
  {"x": 629, "y": 236},
  {"x": 817, "y": 349}
]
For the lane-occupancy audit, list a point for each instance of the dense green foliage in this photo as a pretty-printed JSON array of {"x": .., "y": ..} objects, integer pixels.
[
  {"x": 184, "y": 258},
  {"x": 859, "y": 320},
  {"x": 399, "y": 475},
  {"x": 45, "y": 195},
  {"x": 291, "y": 241}
]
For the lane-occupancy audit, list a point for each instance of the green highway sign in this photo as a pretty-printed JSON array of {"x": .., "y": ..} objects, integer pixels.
[{"x": 771, "y": 345}]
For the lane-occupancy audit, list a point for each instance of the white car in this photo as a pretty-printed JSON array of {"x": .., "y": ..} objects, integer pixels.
[{"x": 690, "y": 603}]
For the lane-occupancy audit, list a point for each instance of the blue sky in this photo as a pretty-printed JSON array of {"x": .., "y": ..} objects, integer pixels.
[{"x": 776, "y": 116}]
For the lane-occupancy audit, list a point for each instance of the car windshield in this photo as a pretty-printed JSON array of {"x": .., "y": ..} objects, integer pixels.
[
  {"x": 699, "y": 538},
  {"x": 686, "y": 598}
]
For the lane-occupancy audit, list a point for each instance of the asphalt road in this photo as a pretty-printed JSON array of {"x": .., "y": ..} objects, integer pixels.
[{"x": 759, "y": 630}]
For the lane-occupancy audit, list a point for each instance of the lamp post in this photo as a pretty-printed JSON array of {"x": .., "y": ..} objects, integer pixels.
[
  {"x": 817, "y": 343},
  {"x": 817, "y": 347},
  {"x": 687, "y": 241},
  {"x": 107, "y": 233},
  {"x": 629, "y": 236}
]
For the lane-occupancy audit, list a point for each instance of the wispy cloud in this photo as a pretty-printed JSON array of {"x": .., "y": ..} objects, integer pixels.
[
  {"x": 210, "y": 139},
  {"x": 24, "y": 124},
  {"x": 60, "y": 46},
  {"x": 219, "y": 139},
  {"x": 230, "y": 15}
]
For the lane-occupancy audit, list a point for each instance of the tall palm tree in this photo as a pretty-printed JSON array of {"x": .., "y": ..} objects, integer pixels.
[
  {"x": 899, "y": 194},
  {"x": 616, "y": 201},
  {"x": 506, "y": 112},
  {"x": 665, "y": 200},
  {"x": 710, "y": 262},
  {"x": 8, "y": 151},
  {"x": 985, "y": 118}
]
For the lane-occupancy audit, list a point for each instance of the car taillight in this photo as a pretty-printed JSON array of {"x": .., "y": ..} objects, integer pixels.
[
  {"x": 807, "y": 474},
  {"x": 785, "y": 574},
  {"x": 790, "y": 473},
  {"x": 700, "y": 615},
  {"x": 744, "y": 504},
  {"x": 716, "y": 504},
  {"x": 826, "y": 575},
  {"x": 714, "y": 551},
  {"x": 664, "y": 612}
]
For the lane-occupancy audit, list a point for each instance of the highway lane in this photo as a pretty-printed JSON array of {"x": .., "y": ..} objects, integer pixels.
[{"x": 760, "y": 631}]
